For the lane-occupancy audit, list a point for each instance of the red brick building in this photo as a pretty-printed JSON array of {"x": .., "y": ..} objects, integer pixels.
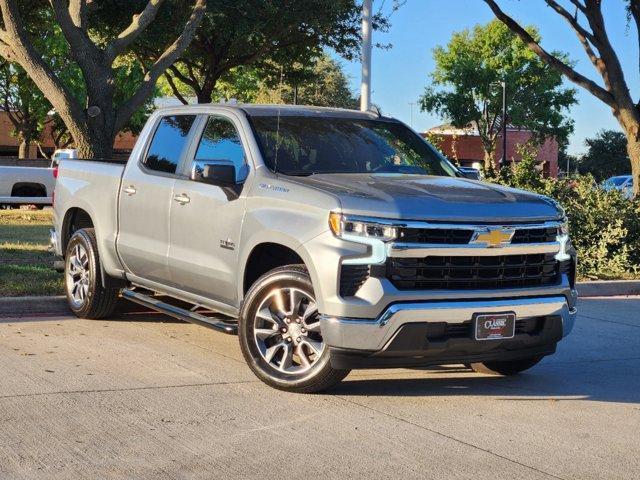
[
  {"x": 464, "y": 146},
  {"x": 9, "y": 144}
]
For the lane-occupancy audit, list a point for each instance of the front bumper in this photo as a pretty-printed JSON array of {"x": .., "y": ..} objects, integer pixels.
[{"x": 401, "y": 332}]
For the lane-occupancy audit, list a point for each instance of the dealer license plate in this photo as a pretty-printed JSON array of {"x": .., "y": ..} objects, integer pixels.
[{"x": 495, "y": 326}]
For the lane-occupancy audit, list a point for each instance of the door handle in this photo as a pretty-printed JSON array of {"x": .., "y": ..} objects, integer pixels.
[
  {"x": 130, "y": 190},
  {"x": 182, "y": 199}
]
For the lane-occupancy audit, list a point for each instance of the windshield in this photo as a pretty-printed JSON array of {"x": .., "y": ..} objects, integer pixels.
[
  {"x": 300, "y": 145},
  {"x": 616, "y": 181}
]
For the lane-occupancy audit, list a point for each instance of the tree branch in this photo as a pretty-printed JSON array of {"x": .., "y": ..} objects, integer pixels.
[
  {"x": 573, "y": 21},
  {"x": 174, "y": 88},
  {"x": 20, "y": 49},
  {"x": 138, "y": 24},
  {"x": 85, "y": 51},
  {"x": 554, "y": 62},
  {"x": 161, "y": 64}
]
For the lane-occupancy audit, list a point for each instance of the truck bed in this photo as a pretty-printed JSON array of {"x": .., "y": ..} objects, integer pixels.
[{"x": 93, "y": 186}]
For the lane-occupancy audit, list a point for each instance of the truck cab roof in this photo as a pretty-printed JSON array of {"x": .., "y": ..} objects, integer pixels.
[{"x": 268, "y": 110}]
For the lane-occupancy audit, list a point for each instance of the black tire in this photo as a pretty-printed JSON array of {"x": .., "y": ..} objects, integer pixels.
[
  {"x": 321, "y": 375},
  {"x": 505, "y": 368},
  {"x": 98, "y": 302}
]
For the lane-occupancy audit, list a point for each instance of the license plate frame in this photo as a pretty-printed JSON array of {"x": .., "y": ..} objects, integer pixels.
[{"x": 502, "y": 326}]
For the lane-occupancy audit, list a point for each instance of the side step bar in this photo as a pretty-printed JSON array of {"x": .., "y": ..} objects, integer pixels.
[{"x": 180, "y": 313}]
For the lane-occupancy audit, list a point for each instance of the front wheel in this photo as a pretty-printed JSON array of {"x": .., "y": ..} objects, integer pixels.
[
  {"x": 505, "y": 368},
  {"x": 279, "y": 330}
]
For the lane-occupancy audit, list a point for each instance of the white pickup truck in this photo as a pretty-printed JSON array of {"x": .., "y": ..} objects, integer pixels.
[{"x": 26, "y": 184}]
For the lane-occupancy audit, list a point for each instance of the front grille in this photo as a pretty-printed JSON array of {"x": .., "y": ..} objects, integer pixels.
[
  {"x": 436, "y": 236},
  {"x": 535, "y": 235},
  {"x": 352, "y": 277},
  {"x": 473, "y": 272},
  {"x": 456, "y": 236}
]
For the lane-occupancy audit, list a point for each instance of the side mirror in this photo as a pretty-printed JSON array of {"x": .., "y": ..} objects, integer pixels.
[
  {"x": 471, "y": 173},
  {"x": 221, "y": 173}
]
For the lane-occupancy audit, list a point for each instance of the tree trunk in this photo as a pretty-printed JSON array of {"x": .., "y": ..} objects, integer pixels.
[
  {"x": 633, "y": 148},
  {"x": 488, "y": 159},
  {"x": 25, "y": 141},
  {"x": 23, "y": 149}
]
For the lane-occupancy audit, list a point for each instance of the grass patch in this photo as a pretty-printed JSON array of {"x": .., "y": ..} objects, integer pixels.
[{"x": 26, "y": 265}]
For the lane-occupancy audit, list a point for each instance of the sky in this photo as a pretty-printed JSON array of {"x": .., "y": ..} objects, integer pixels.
[{"x": 399, "y": 75}]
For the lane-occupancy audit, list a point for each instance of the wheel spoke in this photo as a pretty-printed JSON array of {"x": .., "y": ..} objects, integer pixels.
[
  {"x": 313, "y": 326},
  {"x": 311, "y": 309},
  {"x": 313, "y": 345},
  {"x": 302, "y": 355},
  {"x": 287, "y": 358},
  {"x": 278, "y": 301},
  {"x": 268, "y": 316},
  {"x": 264, "y": 333},
  {"x": 295, "y": 299},
  {"x": 271, "y": 351}
]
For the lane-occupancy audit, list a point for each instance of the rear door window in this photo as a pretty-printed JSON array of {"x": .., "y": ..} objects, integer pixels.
[{"x": 168, "y": 143}]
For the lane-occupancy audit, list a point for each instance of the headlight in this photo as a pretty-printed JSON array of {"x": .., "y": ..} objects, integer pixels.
[{"x": 342, "y": 227}]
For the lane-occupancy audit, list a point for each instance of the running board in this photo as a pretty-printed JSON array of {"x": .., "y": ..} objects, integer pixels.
[{"x": 180, "y": 313}]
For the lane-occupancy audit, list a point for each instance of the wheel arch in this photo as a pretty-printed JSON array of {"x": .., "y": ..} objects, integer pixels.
[{"x": 28, "y": 189}]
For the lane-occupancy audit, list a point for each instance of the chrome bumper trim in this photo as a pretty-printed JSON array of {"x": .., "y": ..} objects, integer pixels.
[
  {"x": 375, "y": 334},
  {"x": 410, "y": 250}
]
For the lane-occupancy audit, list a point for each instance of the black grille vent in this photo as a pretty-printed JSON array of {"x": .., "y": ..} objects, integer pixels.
[
  {"x": 352, "y": 277},
  {"x": 465, "y": 273},
  {"x": 440, "y": 331},
  {"x": 438, "y": 236},
  {"x": 535, "y": 235}
]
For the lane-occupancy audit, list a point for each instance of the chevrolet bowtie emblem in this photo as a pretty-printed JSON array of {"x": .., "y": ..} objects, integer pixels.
[{"x": 493, "y": 237}]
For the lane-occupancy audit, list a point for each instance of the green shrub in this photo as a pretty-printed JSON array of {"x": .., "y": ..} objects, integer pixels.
[{"x": 604, "y": 226}]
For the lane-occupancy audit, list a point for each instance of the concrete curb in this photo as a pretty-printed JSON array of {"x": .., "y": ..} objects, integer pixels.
[
  {"x": 20, "y": 306},
  {"x": 608, "y": 288}
]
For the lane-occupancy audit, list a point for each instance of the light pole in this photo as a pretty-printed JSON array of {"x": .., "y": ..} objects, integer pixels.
[
  {"x": 365, "y": 87},
  {"x": 503, "y": 160}
]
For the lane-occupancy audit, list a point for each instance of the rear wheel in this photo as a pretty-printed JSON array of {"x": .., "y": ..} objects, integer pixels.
[
  {"x": 280, "y": 334},
  {"x": 505, "y": 368},
  {"x": 86, "y": 295}
]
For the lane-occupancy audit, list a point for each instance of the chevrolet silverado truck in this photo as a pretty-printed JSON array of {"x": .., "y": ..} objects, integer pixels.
[{"x": 327, "y": 239}]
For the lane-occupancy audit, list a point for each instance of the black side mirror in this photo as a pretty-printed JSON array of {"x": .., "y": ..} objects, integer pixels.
[
  {"x": 468, "y": 172},
  {"x": 221, "y": 173}
]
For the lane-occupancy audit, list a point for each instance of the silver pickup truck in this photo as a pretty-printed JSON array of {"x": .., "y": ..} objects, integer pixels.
[{"x": 327, "y": 239}]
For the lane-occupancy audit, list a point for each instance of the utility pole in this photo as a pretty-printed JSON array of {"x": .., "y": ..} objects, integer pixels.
[
  {"x": 365, "y": 87},
  {"x": 503, "y": 160}
]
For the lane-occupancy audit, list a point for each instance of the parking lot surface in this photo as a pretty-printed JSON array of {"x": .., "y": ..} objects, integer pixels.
[{"x": 141, "y": 396}]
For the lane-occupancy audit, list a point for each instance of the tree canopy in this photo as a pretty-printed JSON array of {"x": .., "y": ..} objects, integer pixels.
[
  {"x": 587, "y": 21},
  {"x": 606, "y": 155},
  {"x": 466, "y": 86},
  {"x": 256, "y": 33},
  {"x": 321, "y": 83},
  {"x": 98, "y": 39}
]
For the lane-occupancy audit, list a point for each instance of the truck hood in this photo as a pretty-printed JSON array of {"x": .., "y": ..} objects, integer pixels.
[{"x": 422, "y": 197}]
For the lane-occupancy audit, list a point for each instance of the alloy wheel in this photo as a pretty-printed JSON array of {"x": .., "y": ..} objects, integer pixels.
[
  {"x": 78, "y": 275},
  {"x": 287, "y": 330}
]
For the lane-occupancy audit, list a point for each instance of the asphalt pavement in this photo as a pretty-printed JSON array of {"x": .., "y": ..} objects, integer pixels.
[{"x": 141, "y": 396}]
